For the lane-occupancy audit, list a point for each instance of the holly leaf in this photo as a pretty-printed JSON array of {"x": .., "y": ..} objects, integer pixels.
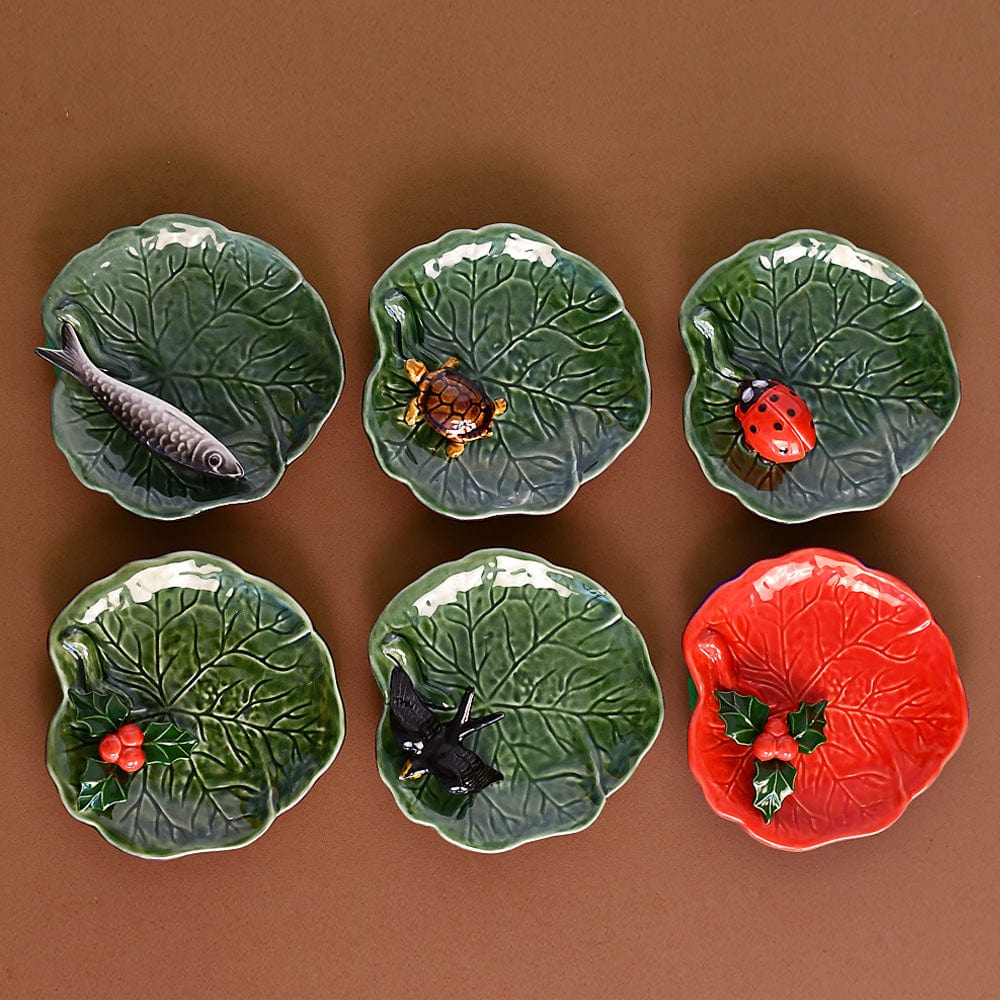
[
  {"x": 165, "y": 743},
  {"x": 99, "y": 712},
  {"x": 743, "y": 714},
  {"x": 99, "y": 789},
  {"x": 807, "y": 724},
  {"x": 773, "y": 782}
]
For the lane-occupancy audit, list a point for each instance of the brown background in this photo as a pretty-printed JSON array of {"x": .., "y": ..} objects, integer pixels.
[{"x": 652, "y": 139}]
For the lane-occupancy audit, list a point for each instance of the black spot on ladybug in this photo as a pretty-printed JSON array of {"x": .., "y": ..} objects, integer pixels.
[
  {"x": 753, "y": 428},
  {"x": 762, "y": 408},
  {"x": 778, "y": 426},
  {"x": 812, "y": 423},
  {"x": 791, "y": 413},
  {"x": 775, "y": 397}
]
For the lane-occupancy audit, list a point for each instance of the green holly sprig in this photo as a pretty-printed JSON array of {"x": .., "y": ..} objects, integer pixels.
[
  {"x": 776, "y": 742},
  {"x": 123, "y": 747}
]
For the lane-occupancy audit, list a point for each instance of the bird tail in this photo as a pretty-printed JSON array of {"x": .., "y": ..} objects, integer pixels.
[
  {"x": 474, "y": 725},
  {"x": 71, "y": 358}
]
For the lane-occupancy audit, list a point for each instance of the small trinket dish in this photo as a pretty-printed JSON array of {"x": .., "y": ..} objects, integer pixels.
[
  {"x": 826, "y": 698},
  {"x": 566, "y": 702},
  {"x": 821, "y": 376},
  {"x": 508, "y": 373},
  {"x": 183, "y": 327},
  {"x": 198, "y": 704}
]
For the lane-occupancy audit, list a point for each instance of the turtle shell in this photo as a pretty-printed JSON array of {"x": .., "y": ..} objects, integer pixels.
[{"x": 455, "y": 406}]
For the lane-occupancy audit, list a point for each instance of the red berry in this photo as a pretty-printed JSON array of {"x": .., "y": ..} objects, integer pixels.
[
  {"x": 109, "y": 748},
  {"x": 130, "y": 735},
  {"x": 131, "y": 759},
  {"x": 776, "y": 725},
  {"x": 764, "y": 747},
  {"x": 787, "y": 748}
]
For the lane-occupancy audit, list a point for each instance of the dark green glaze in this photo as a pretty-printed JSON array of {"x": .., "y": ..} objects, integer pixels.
[
  {"x": 533, "y": 324},
  {"x": 191, "y": 640},
  {"x": 851, "y": 334},
  {"x": 219, "y": 324},
  {"x": 552, "y": 651}
]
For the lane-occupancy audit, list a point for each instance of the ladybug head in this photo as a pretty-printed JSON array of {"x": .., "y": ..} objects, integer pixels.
[{"x": 750, "y": 391}]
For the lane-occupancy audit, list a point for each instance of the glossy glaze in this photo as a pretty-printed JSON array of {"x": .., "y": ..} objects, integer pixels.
[
  {"x": 218, "y": 324},
  {"x": 530, "y": 323},
  {"x": 817, "y": 626},
  {"x": 192, "y": 642},
  {"x": 551, "y": 650},
  {"x": 851, "y": 334}
]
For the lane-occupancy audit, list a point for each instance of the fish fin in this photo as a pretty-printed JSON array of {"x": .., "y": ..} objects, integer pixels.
[{"x": 71, "y": 358}]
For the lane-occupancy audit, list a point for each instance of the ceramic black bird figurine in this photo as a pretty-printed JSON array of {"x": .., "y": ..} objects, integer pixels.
[{"x": 434, "y": 747}]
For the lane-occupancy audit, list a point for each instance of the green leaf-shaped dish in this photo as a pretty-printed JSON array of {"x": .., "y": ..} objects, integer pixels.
[
  {"x": 191, "y": 640},
  {"x": 553, "y": 651},
  {"x": 852, "y": 335},
  {"x": 535, "y": 325},
  {"x": 219, "y": 324}
]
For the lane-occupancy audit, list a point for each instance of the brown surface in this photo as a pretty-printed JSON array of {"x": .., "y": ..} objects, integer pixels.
[{"x": 652, "y": 139}]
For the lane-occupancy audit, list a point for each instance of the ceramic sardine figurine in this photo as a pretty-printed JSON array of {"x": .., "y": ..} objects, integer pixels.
[{"x": 153, "y": 422}]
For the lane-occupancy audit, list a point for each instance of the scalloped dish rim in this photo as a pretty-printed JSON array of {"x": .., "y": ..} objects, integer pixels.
[
  {"x": 380, "y": 357},
  {"x": 690, "y": 393},
  {"x": 454, "y": 565},
  {"x": 54, "y": 724},
  {"x": 201, "y": 508},
  {"x": 696, "y": 763}
]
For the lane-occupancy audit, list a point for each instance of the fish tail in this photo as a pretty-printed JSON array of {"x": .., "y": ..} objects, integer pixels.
[{"x": 71, "y": 357}]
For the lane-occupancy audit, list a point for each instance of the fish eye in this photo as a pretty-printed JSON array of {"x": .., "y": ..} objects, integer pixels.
[{"x": 214, "y": 459}]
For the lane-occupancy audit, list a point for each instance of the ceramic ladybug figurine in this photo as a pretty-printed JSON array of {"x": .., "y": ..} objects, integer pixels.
[
  {"x": 458, "y": 408},
  {"x": 776, "y": 422}
]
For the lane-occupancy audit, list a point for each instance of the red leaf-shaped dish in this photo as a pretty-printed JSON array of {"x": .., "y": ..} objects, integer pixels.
[{"x": 814, "y": 625}]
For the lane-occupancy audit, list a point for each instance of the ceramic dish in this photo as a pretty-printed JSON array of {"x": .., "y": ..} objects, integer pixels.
[
  {"x": 827, "y": 698},
  {"x": 232, "y": 690},
  {"x": 550, "y": 649},
  {"x": 526, "y": 322},
  {"x": 845, "y": 330},
  {"x": 218, "y": 324}
]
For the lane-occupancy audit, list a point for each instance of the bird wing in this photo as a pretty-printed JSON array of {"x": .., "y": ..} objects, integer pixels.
[
  {"x": 462, "y": 771},
  {"x": 411, "y": 720}
]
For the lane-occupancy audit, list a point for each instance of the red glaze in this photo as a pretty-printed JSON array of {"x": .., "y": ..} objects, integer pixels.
[
  {"x": 776, "y": 422},
  {"x": 131, "y": 759},
  {"x": 816, "y": 625},
  {"x": 110, "y": 748},
  {"x": 130, "y": 735}
]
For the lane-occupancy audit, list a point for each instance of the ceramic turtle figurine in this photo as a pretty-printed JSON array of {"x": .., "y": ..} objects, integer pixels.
[{"x": 457, "y": 407}]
